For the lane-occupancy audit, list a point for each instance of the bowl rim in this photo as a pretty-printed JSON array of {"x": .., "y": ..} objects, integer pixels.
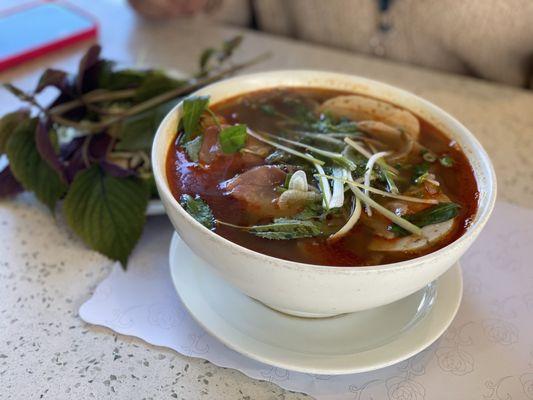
[{"x": 290, "y": 76}]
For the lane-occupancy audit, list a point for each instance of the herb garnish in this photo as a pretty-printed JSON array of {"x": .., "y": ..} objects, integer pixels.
[
  {"x": 193, "y": 108},
  {"x": 433, "y": 215},
  {"x": 91, "y": 145},
  {"x": 199, "y": 210},
  {"x": 233, "y": 138}
]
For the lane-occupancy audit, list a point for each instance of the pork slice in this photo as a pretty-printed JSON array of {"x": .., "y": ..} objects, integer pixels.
[
  {"x": 256, "y": 190},
  {"x": 210, "y": 149}
]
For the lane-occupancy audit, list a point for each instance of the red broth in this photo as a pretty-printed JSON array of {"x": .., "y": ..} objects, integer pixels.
[{"x": 186, "y": 177}]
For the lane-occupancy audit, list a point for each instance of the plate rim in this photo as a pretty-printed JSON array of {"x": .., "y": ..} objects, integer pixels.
[{"x": 449, "y": 309}]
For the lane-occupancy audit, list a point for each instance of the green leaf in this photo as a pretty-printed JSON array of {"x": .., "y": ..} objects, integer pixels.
[
  {"x": 199, "y": 210},
  {"x": 156, "y": 83},
  {"x": 229, "y": 46},
  {"x": 30, "y": 169},
  {"x": 232, "y": 138},
  {"x": 121, "y": 79},
  {"x": 152, "y": 187},
  {"x": 193, "y": 108},
  {"x": 108, "y": 213},
  {"x": 192, "y": 147},
  {"x": 205, "y": 57},
  {"x": 8, "y": 124},
  {"x": 286, "y": 229},
  {"x": 137, "y": 132},
  {"x": 433, "y": 215},
  {"x": 311, "y": 211}
]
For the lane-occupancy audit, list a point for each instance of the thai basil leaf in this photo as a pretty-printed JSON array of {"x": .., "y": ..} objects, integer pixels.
[
  {"x": 107, "y": 212},
  {"x": 30, "y": 169},
  {"x": 433, "y": 215},
  {"x": 205, "y": 58},
  {"x": 286, "y": 229},
  {"x": 199, "y": 210},
  {"x": 89, "y": 69},
  {"x": 221, "y": 55},
  {"x": 137, "y": 132},
  {"x": 121, "y": 79},
  {"x": 116, "y": 170},
  {"x": 232, "y": 138},
  {"x": 193, "y": 108},
  {"x": 228, "y": 47},
  {"x": 8, "y": 124},
  {"x": 154, "y": 84},
  {"x": 46, "y": 142},
  {"x": 53, "y": 77}
]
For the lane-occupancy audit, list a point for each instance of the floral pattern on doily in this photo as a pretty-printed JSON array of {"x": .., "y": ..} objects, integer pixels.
[{"x": 487, "y": 352}]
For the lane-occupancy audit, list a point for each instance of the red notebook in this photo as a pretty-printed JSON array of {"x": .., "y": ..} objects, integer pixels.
[{"x": 41, "y": 27}]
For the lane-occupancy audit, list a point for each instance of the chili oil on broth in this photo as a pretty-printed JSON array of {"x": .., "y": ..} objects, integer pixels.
[{"x": 186, "y": 177}]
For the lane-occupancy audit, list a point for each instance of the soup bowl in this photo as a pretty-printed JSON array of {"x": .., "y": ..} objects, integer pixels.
[{"x": 311, "y": 290}]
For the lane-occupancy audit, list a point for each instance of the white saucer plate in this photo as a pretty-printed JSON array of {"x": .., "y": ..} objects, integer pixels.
[
  {"x": 345, "y": 344},
  {"x": 155, "y": 207}
]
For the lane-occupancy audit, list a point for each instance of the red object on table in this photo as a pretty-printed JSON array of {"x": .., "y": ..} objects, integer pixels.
[{"x": 38, "y": 28}]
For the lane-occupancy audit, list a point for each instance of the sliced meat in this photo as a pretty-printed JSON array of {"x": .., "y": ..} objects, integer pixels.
[
  {"x": 361, "y": 108},
  {"x": 378, "y": 224},
  {"x": 210, "y": 149},
  {"x": 432, "y": 234},
  {"x": 254, "y": 152},
  {"x": 256, "y": 190}
]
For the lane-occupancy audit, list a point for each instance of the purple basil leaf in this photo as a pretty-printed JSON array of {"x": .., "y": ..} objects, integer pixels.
[
  {"x": 46, "y": 148},
  {"x": 9, "y": 186},
  {"x": 91, "y": 57},
  {"x": 99, "y": 145},
  {"x": 68, "y": 149},
  {"x": 53, "y": 77},
  {"x": 116, "y": 170},
  {"x": 15, "y": 91},
  {"x": 75, "y": 164},
  {"x": 75, "y": 114}
]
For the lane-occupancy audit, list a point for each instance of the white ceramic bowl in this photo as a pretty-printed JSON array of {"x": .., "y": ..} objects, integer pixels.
[{"x": 311, "y": 290}]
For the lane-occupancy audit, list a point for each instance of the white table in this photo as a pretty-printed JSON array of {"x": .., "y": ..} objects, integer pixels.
[{"x": 46, "y": 273}]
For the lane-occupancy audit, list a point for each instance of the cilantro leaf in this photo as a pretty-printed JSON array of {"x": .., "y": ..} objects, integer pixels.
[
  {"x": 193, "y": 108},
  {"x": 192, "y": 147},
  {"x": 233, "y": 138},
  {"x": 29, "y": 168},
  {"x": 199, "y": 210},
  {"x": 286, "y": 229},
  {"x": 107, "y": 212}
]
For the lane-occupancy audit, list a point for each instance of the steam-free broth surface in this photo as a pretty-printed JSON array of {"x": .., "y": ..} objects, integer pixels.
[{"x": 243, "y": 188}]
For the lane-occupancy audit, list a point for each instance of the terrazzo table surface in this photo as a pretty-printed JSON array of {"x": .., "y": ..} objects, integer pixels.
[{"x": 47, "y": 352}]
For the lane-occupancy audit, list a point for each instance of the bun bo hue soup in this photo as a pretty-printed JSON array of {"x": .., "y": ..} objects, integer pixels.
[{"x": 320, "y": 177}]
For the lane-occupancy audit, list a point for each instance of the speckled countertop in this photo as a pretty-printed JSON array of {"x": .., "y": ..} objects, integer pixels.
[{"x": 47, "y": 352}]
